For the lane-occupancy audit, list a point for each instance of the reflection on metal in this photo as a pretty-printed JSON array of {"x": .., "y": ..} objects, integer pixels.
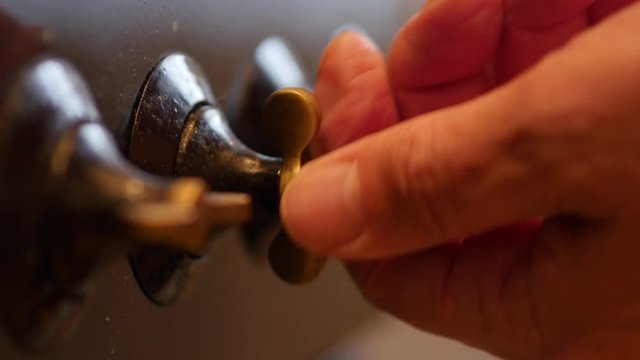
[
  {"x": 162, "y": 267},
  {"x": 161, "y": 272},
  {"x": 279, "y": 64},
  {"x": 114, "y": 53},
  {"x": 274, "y": 66},
  {"x": 292, "y": 119},
  {"x": 174, "y": 88},
  {"x": 210, "y": 150},
  {"x": 177, "y": 130},
  {"x": 197, "y": 139},
  {"x": 69, "y": 202}
]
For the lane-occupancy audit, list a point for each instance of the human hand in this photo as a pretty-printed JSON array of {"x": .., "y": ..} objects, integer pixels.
[{"x": 440, "y": 215}]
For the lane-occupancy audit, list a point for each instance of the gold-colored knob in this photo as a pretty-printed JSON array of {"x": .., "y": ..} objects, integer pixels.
[
  {"x": 184, "y": 219},
  {"x": 291, "y": 118}
]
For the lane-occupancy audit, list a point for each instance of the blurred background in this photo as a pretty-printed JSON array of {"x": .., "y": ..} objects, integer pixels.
[{"x": 235, "y": 308}]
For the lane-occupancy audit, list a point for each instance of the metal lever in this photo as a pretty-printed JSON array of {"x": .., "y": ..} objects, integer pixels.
[
  {"x": 291, "y": 118},
  {"x": 185, "y": 219}
]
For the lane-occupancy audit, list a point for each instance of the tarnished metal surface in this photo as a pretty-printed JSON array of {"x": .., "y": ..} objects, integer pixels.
[
  {"x": 70, "y": 202},
  {"x": 174, "y": 88},
  {"x": 236, "y": 309},
  {"x": 275, "y": 66},
  {"x": 210, "y": 150},
  {"x": 178, "y": 130},
  {"x": 114, "y": 43}
]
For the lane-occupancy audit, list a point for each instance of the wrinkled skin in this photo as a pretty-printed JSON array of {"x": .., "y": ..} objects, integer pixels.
[{"x": 483, "y": 183}]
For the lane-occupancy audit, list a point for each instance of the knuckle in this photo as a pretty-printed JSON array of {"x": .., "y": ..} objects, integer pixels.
[{"x": 423, "y": 181}]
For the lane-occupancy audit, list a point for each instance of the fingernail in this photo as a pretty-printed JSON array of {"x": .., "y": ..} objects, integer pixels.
[
  {"x": 349, "y": 27},
  {"x": 363, "y": 40},
  {"x": 321, "y": 207}
]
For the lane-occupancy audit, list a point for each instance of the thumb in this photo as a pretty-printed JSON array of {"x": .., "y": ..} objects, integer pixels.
[
  {"x": 442, "y": 176},
  {"x": 427, "y": 181}
]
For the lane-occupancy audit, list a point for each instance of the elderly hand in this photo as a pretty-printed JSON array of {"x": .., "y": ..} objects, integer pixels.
[{"x": 504, "y": 211}]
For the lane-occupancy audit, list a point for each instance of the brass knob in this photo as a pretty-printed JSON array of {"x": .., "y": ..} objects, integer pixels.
[
  {"x": 178, "y": 129},
  {"x": 291, "y": 118}
]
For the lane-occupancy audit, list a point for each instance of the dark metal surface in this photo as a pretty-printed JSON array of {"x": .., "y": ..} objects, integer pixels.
[
  {"x": 177, "y": 130},
  {"x": 274, "y": 66},
  {"x": 174, "y": 88},
  {"x": 70, "y": 202},
  {"x": 34, "y": 121},
  {"x": 162, "y": 273},
  {"x": 115, "y": 42},
  {"x": 62, "y": 185},
  {"x": 210, "y": 150},
  {"x": 235, "y": 308}
]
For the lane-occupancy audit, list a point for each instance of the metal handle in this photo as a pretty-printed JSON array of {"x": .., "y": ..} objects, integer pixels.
[{"x": 291, "y": 118}]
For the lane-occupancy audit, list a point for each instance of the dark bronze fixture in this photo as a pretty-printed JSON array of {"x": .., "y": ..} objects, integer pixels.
[
  {"x": 193, "y": 138},
  {"x": 274, "y": 66},
  {"x": 232, "y": 297},
  {"x": 175, "y": 126},
  {"x": 69, "y": 202}
]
